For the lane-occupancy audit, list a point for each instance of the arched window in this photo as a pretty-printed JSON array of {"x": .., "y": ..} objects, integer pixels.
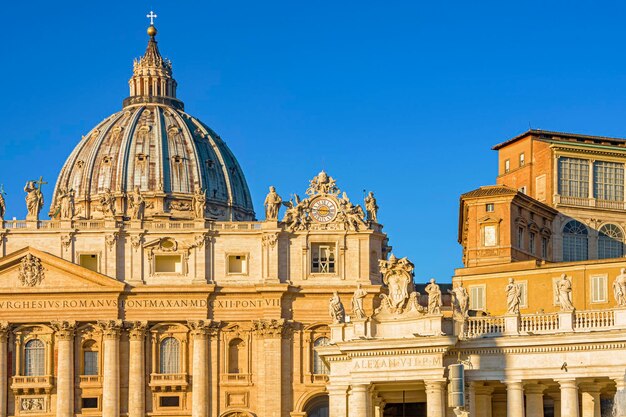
[
  {"x": 236, "y": 357},
  {"x": 34, "y": 358},
  {"x": 575, "y": 236},
  {"x": 610, "y": 242},
  {"x": 170, "y": 356},
  {"x": 318, "y": 407},
  {"x": 90, "y": 358},
  {"x": 319, "y": 367}
]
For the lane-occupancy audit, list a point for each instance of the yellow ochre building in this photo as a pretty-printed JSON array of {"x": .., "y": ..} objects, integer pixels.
[{"x": 154, "y": 291}]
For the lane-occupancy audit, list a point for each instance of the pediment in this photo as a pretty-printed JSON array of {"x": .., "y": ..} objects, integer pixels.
[
  {"x": 490, "y": 219},
  {"x": 30, "y": 270}
]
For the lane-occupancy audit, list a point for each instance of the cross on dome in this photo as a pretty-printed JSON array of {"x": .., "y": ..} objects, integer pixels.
[{"x": 151, "y": 16}]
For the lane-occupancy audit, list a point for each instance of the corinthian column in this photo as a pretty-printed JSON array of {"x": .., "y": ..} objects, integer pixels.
[
  {"x": 515, "y": 399},
  {"x": 4, "y": 332},
  {"x": 569, "y": 398},
  {"x": 434, "y": 399},
  {"x": 199, "y": 369},
  {"x": 136, "y": 369},
  {"x": 111, "y": 383},
  {"x": 65, "y": 369}
]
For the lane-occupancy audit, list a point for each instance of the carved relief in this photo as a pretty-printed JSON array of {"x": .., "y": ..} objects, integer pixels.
[
  {"x": 136, "y": 329},
  {"x": 110, "y": 240},
  {"x": 66, "y": 241},
  {"x": 31, "y": 272},
  {"x": 32, "y": 404},
  {"x": 180, "y": 205},
  {"x": 271, "y": 328},
  {"x": 269, "y": 240},
  {"x": 110, "y": 328},
  {"x": 64, "y": 329}
]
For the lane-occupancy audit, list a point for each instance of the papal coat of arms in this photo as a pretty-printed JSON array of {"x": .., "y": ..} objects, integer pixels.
[{"x": 31, "y": 271}]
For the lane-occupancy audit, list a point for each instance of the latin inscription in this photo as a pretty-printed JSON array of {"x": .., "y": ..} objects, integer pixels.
[
  {"x": 403, "y": 362},
  {"x": 228, "y": 304}
]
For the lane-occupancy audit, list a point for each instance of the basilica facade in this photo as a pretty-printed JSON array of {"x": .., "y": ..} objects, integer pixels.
[{"x": 154, "y": 291}]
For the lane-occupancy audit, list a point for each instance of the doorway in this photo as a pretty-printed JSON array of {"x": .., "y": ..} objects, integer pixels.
[{"x": 405, "y": 410}]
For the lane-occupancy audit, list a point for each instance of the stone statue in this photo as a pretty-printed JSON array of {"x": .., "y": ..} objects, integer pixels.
[
  {"x": 322, "y": 184},
  {"x": 31, "y": 272},
  {"x": 66, "y": 198},
  {"x": 34, "y": 199},
  {"x": 434, "y": 297},
  {"x": 357, "y": 302},
  {"x": 107, "y": 203},
  {"x": 564, "y": 293},
  {"x": 619, "y": 288},
  {"x": 371, "y": 207},
  {"x": 460, "y": 302},
  {"x": 336, "y": 310},
  {"x": 513, "y": 297},
  {"x": 3, "y": 206},
  {"x": 296, "y": 214},
  {"x": 414, "y": 302},
  {"x": 272, "y": 204},
  {"x": 199, "y": 203},
  {"x": 136, "y": 204},
  {"x": 398, "y": 276}
]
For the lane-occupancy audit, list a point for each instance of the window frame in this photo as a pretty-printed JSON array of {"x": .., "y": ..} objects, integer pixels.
[
  {"x": 608, "y": 181},
  {"x": 507, "y": 166},
  {"x": 470, "y": 290},
  {"x": 522, "y": 159},
  {"x": 576, "y": 184},
  {"x": 41, "y": 357},
  {"x": 162, "y": 366},
  {"x": 592, "y": 288},
  {"x": 245, "y": 264},
  {"x": 611, "y": 240},
  {"x": 98, "y": 256},
  {"x": 334, "y": 251},
  {"x": 572, "y": 239},
  {"x": 524, "y": 293}
]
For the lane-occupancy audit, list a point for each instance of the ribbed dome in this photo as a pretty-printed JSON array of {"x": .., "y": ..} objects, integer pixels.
[{"x": 154, "y": 145}]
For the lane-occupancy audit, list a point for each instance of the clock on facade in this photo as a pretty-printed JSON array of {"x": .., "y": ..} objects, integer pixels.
[{"x": 323, "y": 210}]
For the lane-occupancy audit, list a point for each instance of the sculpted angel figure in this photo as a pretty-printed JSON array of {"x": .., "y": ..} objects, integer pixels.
[
  {"x": 34, "y": 200},
  {"x": 371, "y": 207},
  {"x": 357, "y": 302},
  {"x": 136, "y": 203},
  {"x": 322, "y": 184},
  {"x": 107, "y": 203},
  {"x": 513, "y": 297},
  {"x": 295, "y": 215},
  {"x": 199, "y": 203},
  {"x": 67, "y": 203},
  {"x": 564, "y": 293},
  {"x": 414, "y": 302},
  {"x": 336, "y": 310},
  {"x": 460, "y": 301},
  {"x": 272, "y": 204},
  {"x": 434, "y": 297},
  {"x": 3, "y": 206},
  {"x": 619, "y": 288}
]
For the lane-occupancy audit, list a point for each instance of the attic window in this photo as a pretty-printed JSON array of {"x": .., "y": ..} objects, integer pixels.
[
  {"x": 489, "y": 207},
  {"x": 168, "y": 264},
  {"x": 88, "y": 261},
  {"x": 237, "y": 264}
]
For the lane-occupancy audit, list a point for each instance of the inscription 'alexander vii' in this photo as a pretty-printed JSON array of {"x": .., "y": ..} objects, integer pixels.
[{"x": 405, "y": 362}]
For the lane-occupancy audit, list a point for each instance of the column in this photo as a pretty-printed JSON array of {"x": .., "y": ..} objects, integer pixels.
[
  {"x": 358, "y": 405},
  {"x": 338, "y": 400},
  {"x": 620, "y": 396},
  {"x": 514, "y": 399},
  {"x": 199, "y": 369},
  {"x": 434, "y": 399},
  {"x": 590, "y": 395},
  {"x": 4, "y": 333},
  {"x": 534, "y": 399},
  {"x": 480, "y": 402},
  {"x": 269, "y": 334},
  {"x": 137, "y": 370},
  {"x": 569, "y": 398},
  {"x": 111, "y": 383},
  {"x": 64, "y": 338}
]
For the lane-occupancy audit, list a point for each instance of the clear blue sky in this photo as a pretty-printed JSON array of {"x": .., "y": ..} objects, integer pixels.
[{"x": 401, "y": 97}]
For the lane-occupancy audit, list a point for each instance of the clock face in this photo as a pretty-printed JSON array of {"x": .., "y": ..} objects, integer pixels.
[{"x": 323, "y": 210}]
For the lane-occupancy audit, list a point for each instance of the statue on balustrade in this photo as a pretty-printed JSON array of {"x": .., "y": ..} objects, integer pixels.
[
  {"x": 272, "y": 204},
  {"x": 3, "y": 206},
  {"x": 371, "y": 208},
  {"x": 357, "y": 303},
  {"x": 107, "y": 203},
  {"x": 136, "y": 204},
  {"x": 434, "y": 297},
  {"x": 513, "y": 297},
  {"x": 199, "y": 203},
  {"x": 336, "y": 310},
  {"x": 564, "y": 293},
  {"x": 66, "y": 203},
  {"x": 460, "y": 302},
  {"x": 34, "y": 199},
  {"x": 619, "y": 288}
]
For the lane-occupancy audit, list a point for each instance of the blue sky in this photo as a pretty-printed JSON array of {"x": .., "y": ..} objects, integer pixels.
[{"x": 404, "y": 98}]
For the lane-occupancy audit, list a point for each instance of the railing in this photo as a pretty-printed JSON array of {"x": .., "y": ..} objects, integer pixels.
[
  {"x": 598, "y": 319},
  {"x": 15, "y": 224},
  {"x": 89, "y": 224},
  {"x": 169, "y": 225},
  {"x": 608, "y": 204},
  {"x": 168, "y": 379},
  {"x": 482, "y": 326},
  {"x": 90, "y": 379},
  {"x": 32, "y": 380},
  {"x": 589, "y": 202},
  {"x": 319, "y": 378},
  {"x": 236, "y": 378},
  {"x": 237, "y": 226},
  {"x": 539, "y": 323}
]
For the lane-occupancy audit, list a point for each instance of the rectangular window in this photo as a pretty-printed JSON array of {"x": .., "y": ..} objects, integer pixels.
[
  {"x": 489, "y": 207},
  {"x": 90, "y": 366},
  {"x": 523, "y": 285},
  {"x": 168, "y": 264},
  {"x": 574, "y": 177},
  {"x": 237, "y": 264},
  {"x": 522, "y": 159},
  {"x": 507, "y": 166},
  {"x": 608, "y": 181},
  {"x": 169, "y": 401},
  {"x": 598, "y": 289},
  {"x": 544, "y": 247},
  {"x": 477, "y": 297},
  {"x": 490, "y": 235},
  {"x": 520, "y": 237},
  {"x": 531, "y": 243},
  {"x": 323, "y": 258},
  {"x": 89, "y": 402},
  {"x": 89, "y": 261}
]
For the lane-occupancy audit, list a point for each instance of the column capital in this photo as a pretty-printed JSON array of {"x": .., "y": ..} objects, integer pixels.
[
  {"x": 200, "y": 329},
  {"x": 360, "y": 387},
  {"x": 434, "y": 385},
  {"x": 272, "y": 328},
  {"x": 567, "y": 383},
  {"x": 514, "y": 385},
  {"x": 136, "y": 329},
  {"x": 480, "y": 388},
  {"x": 589, "y": 387},
  {"x": 534, "y": 388},
  {"x": 5, "y": 328},
  {"x": 110, "y": 328},
  {"x": 64, "y": 330}
]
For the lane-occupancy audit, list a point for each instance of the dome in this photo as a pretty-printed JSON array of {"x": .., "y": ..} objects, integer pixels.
[{"x": 154, "y": 145}]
